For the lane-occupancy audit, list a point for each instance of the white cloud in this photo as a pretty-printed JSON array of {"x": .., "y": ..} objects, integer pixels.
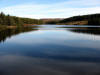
[{"x": 64, "y": 9}]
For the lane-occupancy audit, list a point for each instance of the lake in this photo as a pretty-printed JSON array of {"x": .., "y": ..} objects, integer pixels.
[{"x": 50, "y": 50}]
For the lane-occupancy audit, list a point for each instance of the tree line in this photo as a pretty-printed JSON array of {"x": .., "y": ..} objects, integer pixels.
[
  {"x": 8, "y": 20},
  {"x": 93, "y": 19}
]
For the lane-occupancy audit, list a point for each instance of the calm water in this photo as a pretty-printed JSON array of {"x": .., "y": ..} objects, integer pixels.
[{"x": 50, "y": 50}]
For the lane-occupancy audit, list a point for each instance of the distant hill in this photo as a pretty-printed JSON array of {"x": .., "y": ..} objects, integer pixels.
[
  {"x": 93, "y": 19},
  {"x": 51, "y": 20}
]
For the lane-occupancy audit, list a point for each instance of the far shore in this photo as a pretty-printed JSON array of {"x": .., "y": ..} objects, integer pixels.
[{"x": 12, "y": 27}]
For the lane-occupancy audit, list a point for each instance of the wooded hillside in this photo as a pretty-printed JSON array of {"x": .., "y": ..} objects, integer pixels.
[{"x": 8, "y": 20}]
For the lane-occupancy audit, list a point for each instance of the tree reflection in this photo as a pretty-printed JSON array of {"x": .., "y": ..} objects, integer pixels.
[
  {"x": 7, "y": 33},
  {"x": 86, "y": 30}
]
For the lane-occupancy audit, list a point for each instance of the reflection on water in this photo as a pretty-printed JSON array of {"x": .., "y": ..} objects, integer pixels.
[
  {"x": 7, "y": 33},
  {"x": 50, "y": 50},
  {"x": 86, "y": 30}
]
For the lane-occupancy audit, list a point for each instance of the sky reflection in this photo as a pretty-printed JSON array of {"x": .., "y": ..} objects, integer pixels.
[{"x": 56, "y": 52}]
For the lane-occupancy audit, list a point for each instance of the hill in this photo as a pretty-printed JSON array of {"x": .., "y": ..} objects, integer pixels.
[
  {"x": 7, "y": 20},
  {"x": 93, "y": 19},
  {"x": 51, "y": 20}
]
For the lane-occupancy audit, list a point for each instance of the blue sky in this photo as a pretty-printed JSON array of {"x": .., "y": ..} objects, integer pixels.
[{"x": 49, "y": 8}]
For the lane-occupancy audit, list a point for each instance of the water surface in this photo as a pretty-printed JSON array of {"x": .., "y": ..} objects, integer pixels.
[{"x": 50, "y": 50}]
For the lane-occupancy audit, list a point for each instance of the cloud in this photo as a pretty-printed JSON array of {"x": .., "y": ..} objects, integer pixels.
[{"x": 55, "y": 10}]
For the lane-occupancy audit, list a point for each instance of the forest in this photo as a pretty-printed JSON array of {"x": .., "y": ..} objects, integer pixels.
[
  {"x": 93, "y": 19},
  {"x": 7, "y": 20}
]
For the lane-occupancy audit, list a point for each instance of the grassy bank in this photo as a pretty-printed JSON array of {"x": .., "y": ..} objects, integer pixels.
[
  {"x": 75, "y": 23},
  {"x": 3, "y": 27}
]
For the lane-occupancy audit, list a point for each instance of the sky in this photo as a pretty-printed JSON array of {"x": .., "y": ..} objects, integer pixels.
[{"x": 49, "y": 8}]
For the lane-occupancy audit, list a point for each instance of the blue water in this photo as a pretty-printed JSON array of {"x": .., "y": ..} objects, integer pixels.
[{"x": 50, "y": 50}]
